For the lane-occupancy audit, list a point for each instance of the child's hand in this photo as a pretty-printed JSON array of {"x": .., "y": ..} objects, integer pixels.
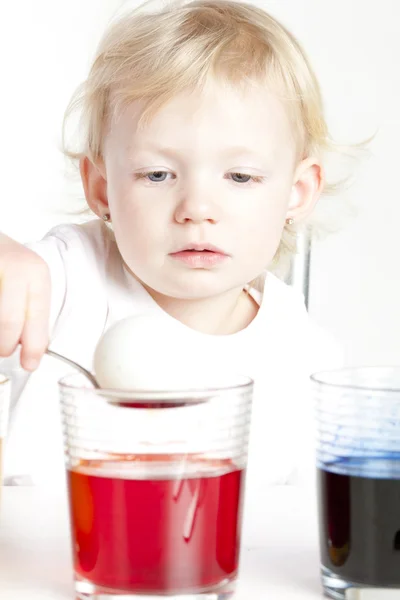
[{"x": 24, "y": 302}]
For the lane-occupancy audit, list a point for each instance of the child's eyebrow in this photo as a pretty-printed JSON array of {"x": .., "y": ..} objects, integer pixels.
[
  {"x": 147, "y": 147},
  {"x": 233, "y": 151},
  {"x": 174, "y": 153}
]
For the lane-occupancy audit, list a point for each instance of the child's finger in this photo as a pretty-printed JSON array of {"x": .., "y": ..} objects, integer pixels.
[
  {"x": 12, "y": 313},
  {"x": 35, "y": 334}
]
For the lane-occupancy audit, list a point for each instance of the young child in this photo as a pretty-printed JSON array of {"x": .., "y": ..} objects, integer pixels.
[{"x": 200, "y": 149}]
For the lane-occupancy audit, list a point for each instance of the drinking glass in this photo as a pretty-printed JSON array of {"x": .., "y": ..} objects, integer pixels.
[
  {"x": 358, "y": 464},
  {"x": 156, "y": 483},
  {"x": 5, "y": 386}
]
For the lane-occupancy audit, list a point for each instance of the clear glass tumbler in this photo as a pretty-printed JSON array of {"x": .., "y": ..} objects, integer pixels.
[
  {"x": 358, "y": 463},
  {"x": 156, "y": 485},
  {"x": 5, "y": 387}
]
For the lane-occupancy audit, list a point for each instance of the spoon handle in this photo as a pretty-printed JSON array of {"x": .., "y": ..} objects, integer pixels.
[{"x": 75, "y": 365}]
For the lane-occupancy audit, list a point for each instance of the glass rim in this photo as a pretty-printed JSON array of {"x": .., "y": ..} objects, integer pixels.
[
  {"x": 321, "y": 378},
  {"x": 244, "y": 383}
]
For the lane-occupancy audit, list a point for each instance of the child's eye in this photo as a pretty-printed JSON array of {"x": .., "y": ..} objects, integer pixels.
[
  {"x": 244, "y": 178},
  {"x": 157, "y": 176},
  {"x": 154, "y": 176}
]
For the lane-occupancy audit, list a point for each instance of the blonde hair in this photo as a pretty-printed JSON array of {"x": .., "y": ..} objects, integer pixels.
[{"x": 152, "y": 56}]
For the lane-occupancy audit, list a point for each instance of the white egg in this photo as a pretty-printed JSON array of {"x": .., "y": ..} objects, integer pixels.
[{"x": 153, "y": 353}]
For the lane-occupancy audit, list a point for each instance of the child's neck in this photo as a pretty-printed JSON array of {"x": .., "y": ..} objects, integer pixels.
[{"x": 220, "y": 315}]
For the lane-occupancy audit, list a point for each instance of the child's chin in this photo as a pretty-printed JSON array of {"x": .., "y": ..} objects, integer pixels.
[{"x": 195, "y": 285}]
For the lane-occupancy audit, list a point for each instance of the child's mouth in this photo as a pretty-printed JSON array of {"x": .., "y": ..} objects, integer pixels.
[{"x": 200, "y": 256}]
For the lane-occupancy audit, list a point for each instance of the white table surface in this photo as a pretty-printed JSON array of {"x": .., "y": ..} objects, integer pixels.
[{"x": 279, "y": 558}]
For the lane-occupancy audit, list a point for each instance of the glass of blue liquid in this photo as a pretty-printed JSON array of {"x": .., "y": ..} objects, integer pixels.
[{"x": 358, "y": 470}]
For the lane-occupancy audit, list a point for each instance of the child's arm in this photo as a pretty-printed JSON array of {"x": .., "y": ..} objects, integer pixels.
[
  {"x": 76, "y": 257},
  {"x": 25, "y": 294}
]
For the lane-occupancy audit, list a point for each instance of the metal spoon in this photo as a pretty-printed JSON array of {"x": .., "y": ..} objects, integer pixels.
[{"x": 75, "y": 365}]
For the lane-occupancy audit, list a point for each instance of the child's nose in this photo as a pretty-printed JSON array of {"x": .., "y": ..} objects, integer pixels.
[{"x": 197, "y": 206}]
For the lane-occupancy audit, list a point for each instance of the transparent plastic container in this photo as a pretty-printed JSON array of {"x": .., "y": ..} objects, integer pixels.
[
  {"x": 358, "y": 464},
  {"x": 156, "y": 485}
]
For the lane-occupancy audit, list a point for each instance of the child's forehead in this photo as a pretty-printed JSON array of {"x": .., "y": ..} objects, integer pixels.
[{"x": 234, "y": 116}]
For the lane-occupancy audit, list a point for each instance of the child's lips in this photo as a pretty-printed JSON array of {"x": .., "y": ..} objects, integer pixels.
[
  {"x": 200, "y": 256},
  {"x": 200, "y": 247}
]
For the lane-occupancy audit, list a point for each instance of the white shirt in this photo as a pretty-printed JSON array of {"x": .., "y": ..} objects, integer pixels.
[{"x": 91, "y": 290}]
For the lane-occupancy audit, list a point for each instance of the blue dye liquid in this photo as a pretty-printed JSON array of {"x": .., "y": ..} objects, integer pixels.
[{"x": 360, "y": 518}]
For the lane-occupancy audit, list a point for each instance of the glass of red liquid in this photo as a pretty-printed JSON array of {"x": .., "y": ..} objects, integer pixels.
[
  {"x": 5, "y": 386},
  {"x": 156, "y": 483}
]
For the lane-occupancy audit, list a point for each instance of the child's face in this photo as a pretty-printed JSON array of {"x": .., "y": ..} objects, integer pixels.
[{"x": 214, "y": 168}]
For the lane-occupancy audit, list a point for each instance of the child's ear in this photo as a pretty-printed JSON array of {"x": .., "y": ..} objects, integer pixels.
[
  {"x": 95, "y": 185},
  {"x": 308, "y": 184}
]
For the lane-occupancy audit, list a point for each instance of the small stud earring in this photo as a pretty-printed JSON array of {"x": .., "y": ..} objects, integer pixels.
[
  {"x": 289, "y": 221},
  {"x": 106, "y": 217}
]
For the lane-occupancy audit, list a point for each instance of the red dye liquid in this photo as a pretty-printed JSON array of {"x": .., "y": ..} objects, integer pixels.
[{"x": 163, "y": 535}]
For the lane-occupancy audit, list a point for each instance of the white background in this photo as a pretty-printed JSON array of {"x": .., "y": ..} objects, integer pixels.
[{"x": 354, "y": 45}]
